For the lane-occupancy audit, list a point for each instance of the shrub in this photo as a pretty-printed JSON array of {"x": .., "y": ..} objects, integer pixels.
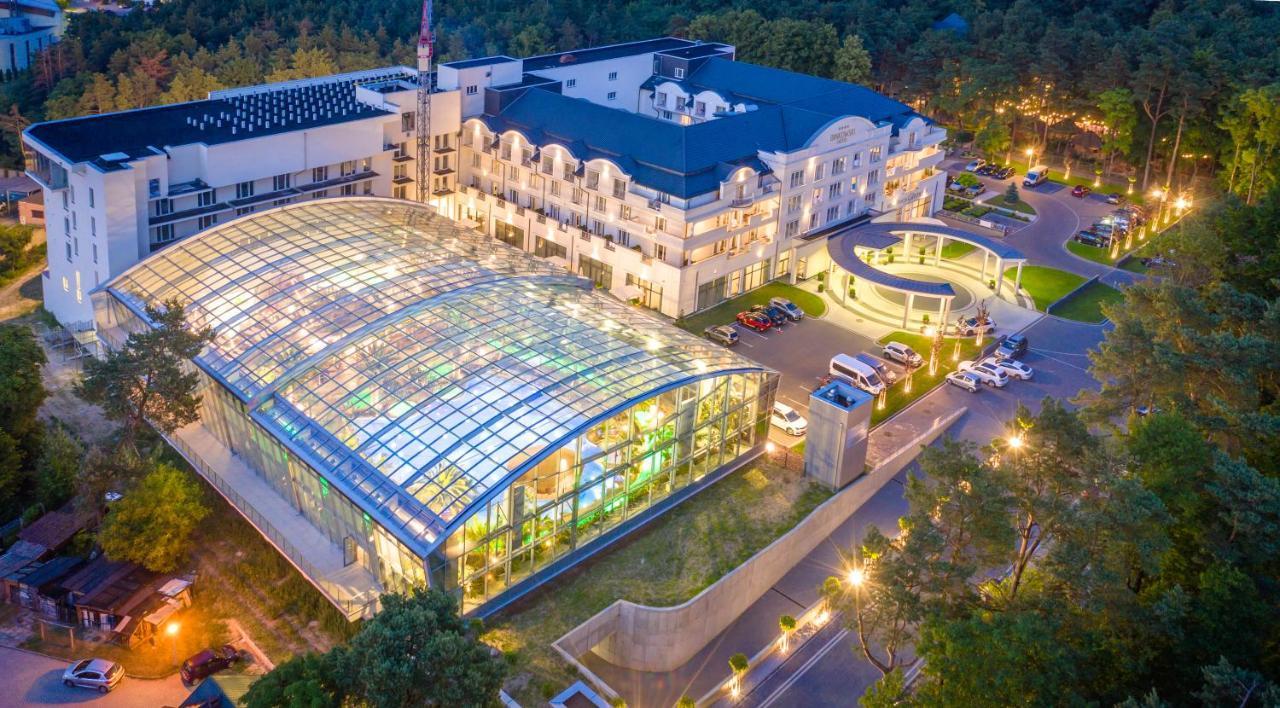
[{"x": 739, "y": 663}]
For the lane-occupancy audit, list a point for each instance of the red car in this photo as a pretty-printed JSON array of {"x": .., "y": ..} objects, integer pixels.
[
  {"x": 758, "y": 321},
  {"x": 1080, "y": 191}
]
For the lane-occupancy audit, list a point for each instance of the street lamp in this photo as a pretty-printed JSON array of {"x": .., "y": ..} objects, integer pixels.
[
  {"x": 171, "y": 629},
  {"x": 1030, "y": 154},
  {"x": 856, "y": 577},
  {"x": 1016, "y": 441}
]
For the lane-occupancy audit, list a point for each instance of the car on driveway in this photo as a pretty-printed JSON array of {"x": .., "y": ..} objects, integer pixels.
[
  {"x": 963, "y": 380},
  {"x": 1090, "y": 238},
  {"x": 975, "y": 190},
  {"x": 988, "y": 373},
  {"x": 785, "y": 417},
  {"x": 722, "y": 334},
  {"x": 208, "y": 662},
  {"x": 758, "y": 321},
  {"x": 973, "y": 166},
  {"x": 1013, "y": 347},
  {"x": 1006, "y": 173},
  {"x": 1012, "y": 368},
  {"x": 775, "y": 315},
  {"x": 972, "y": 326},
  {"x": 1115, "y": 198},
  {"x": 903, "y": 354},
  {"x": 792, "y": 310},
  {"x": 1080, "y": 191},
  {"x": 887, "y": 375},
  {"x": 98, "y": 674}
]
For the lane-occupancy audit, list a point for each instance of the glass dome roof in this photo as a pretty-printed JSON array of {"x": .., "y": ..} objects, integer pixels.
[{"x": 418, "y": 365}]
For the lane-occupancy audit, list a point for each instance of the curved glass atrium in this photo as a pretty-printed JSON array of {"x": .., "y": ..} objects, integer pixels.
[{"x": 469, "y": 403}]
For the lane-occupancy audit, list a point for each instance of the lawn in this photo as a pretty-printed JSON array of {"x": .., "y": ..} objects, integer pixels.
[
  {"x": 1046, "y": 285},
  {"x": 668, "y": 562},
  {"x": 1091, "y": 253},
  {"x": 1087, "y": 180},
  {"x": 898, "y": 397},
  {"x": 1018, "y": 206},
  {"x": 957, "y": 249},
  {"x": 1086, "y": 304},
  {"x": 725, "y": 312}
]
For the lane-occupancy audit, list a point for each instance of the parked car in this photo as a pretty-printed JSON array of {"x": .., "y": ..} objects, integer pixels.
[
  {"x": 1115, "y": 198},
  {"x": 1006, "y": 173},
  {"x": 758, "y": 321},
  {"x": 776, "y": 316},
  {"x": 722, "y": 334},
  {"x": 972, "y": 326},
  {"x": 1012, "y": 368},
  {"x": 1013, "y": 347},
  {"x": 1036, "y": 175},
  {"x": 785, "y": 417},
  {"x": 792, "y": 310},
  {"x": 208, "y": 662},
  {"x": 1090, "y": 238},
  {"x": 963, "y": 380},
  {"x": 887, "y": 375},
  {"x": 903, "y": 354},
  {"x": 988, "y": 373},
  {"x": 975, "y": 190},
  {"x": 973, "y": 166},
  {"x": 857, "y": 373},
  {"x": 98, "y": 674},
  {"x": 1080, "y": 191},
  {"x": 1103, "y": 228}
]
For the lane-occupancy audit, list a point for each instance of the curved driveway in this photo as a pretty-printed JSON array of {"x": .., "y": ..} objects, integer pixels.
[{"x": 1059, "y": 216}]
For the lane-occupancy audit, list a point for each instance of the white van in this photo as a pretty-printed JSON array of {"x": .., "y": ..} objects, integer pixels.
[
  {"x": 1035, "y": 175},
  {"x": 857, "y": 373}
]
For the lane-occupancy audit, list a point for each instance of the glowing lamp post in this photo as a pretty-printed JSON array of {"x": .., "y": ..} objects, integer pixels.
[
  {"x": 172, "y": 630},
  {"x": 1030, "y": 154},
  {"x": 932, "y": 334}
]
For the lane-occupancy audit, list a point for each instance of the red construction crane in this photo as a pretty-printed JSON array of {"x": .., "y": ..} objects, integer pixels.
[{"x": 426, "y": 47}]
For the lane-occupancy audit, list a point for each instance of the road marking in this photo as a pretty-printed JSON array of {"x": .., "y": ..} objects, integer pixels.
[
  {"x": 1064, "y": 363},
  {"x": 768, "y": 701}
]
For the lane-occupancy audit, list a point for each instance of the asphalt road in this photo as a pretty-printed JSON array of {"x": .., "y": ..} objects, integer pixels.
[
  {"x": 1059, "y": 217},
  {"x": 830, "y": 673},
  {"x": 34, "y": 680}
]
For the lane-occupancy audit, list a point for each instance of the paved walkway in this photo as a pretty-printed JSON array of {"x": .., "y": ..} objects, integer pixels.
[{"x": 798, "y": 589}]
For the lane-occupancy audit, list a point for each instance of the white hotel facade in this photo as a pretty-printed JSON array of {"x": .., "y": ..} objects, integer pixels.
[{"x": 665, "y": 171}]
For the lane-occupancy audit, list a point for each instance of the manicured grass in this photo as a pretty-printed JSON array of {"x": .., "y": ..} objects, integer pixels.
[
  {"x": 1018, "y": 206},
  {"x": 1046, "y": 285},
  {"x": 1133, "y": 264},
  {"x": 957, "y": 249},
  {"x": 1091, "y": 253},
  {"x": 1087, "y": 180},
  {"x": 898, "y": 397},
  {"x": 725, "y": 312},
  {"x": 1086, "y": 304},
  {"x": 668, "y": 562}
]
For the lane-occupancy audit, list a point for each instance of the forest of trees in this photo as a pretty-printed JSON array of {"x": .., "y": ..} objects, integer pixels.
[{"x": 1198, "y": 81}]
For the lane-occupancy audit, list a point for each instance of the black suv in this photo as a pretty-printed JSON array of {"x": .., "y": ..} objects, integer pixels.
[
  {"x": 207, "y": 662},
  {"x": 1013, "y": 347}
]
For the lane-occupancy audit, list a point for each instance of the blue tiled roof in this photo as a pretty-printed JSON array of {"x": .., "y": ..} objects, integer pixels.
[{"x": 688, "y": 160}]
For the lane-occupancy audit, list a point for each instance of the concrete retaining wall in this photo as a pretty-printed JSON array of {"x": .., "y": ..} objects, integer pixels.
[{"x": 663, "y": 638}]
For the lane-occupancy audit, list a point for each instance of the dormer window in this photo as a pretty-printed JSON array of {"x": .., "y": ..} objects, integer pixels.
[{"x": 678, "y": 72}]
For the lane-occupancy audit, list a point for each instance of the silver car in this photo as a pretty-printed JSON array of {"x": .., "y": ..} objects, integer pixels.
[
  {"x": 99, "y": 674},
  {"x": 963, "y": 380},
  {"x": 723, "y": 334}
]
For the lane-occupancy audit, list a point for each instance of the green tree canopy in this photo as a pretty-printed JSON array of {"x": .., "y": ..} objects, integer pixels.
[
  {"x": 149, "y": 379},
  {"x": 152, "y": 524}
]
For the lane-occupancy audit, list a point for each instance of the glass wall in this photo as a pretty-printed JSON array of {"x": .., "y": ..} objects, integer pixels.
[{"x": 613, "y": 472}]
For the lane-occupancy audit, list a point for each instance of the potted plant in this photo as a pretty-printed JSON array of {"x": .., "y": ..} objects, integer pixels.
[
  {"x": 738, "y": 663},
  {"x": 822, "y": 281}
]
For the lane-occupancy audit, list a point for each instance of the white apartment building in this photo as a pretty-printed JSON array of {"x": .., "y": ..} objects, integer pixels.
[
  {"x": 664, "y": 170},
  {"x": 26, "y": 27}
]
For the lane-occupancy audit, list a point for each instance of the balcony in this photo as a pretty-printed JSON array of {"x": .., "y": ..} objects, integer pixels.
[{"x": 351, "y": 588}]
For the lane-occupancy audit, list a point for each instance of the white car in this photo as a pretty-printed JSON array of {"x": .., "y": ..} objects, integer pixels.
[
  {"x": 972, "y": 326},
  {"x": 1013, "y": 368},
  {"x": 963, "y": 380},
  {"x": 988, "y": 373},
  {"x": 901, "y": 353},
  {"x": 98, "y": 674},
  {"x": 785, "y": 417},
  {"x": 973, "y": 166}
]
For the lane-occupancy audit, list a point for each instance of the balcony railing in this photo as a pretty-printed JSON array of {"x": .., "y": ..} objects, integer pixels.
[{"x": 353, "y": 606}]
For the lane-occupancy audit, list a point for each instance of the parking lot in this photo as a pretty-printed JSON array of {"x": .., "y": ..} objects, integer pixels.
[{"x": 801, "y": 352}]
